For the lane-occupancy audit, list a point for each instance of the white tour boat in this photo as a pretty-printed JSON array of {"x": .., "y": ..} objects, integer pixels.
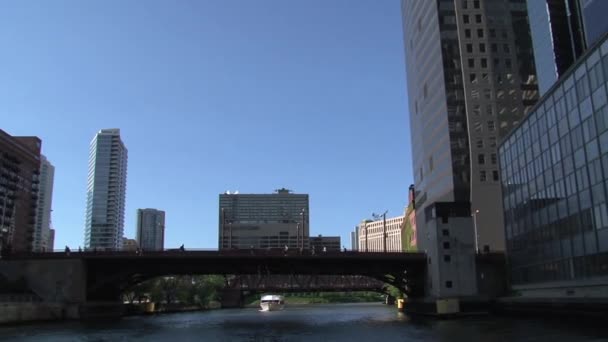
[{"x": 272, "y": 303}]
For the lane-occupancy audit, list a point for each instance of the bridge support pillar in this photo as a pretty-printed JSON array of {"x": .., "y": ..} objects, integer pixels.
[{"x": 231, "y": 298}]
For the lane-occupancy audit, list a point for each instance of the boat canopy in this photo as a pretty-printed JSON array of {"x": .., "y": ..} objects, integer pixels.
[{"x": 268, "y": 298}]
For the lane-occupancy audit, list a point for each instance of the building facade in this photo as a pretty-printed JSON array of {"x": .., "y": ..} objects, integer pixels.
[
  {"x": 371, "y": 235},
  {"x": 554, "y": 175},
  {"x": 151, "y": 229},
  {"x": 325, "y": 243},
  {"x": 50, "y": 245},
  {"x": 263, "y": 220},
  {"x": 44, "y": 205},
  {"x": 557, "y": 35},
  {"x": 129, "y": 245},
  {"x": 471, "y": 78},
  {"x": 106, "y": 191},
  {"x": 19, "y": 184}
]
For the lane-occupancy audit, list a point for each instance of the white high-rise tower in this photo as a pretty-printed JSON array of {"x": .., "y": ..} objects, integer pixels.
[{"x": 106, "y": 191}]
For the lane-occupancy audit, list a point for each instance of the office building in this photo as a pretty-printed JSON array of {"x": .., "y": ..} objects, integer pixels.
[
  {"x": 354, "y": 239},
  {"x": 554, "y": 175},
  {"x": 471, "y": 78},
  {"x": 43, "y": 206},
  {"x": 325, "y": 243},
  {"x": 19, "y": 182},
  {"x": 106, "y": 191},
  {"x": 561, "y": 31},
  {"x": 371, "y": 235},
  {"x": 263, "y": 220},
  {"x": 151, "y": 229}
]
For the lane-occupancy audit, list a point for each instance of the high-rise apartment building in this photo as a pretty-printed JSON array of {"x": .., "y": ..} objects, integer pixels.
[
  {"x": 471, "y": 78},
  {"x": 106, "y": 191},
  {"x": 263, "y": 220},
  {"x": 19, "y": 182},
  {"x": 372, "y": 235},
  {"x": 43, "y": 207},
  {"x": 151, "y": 229}
]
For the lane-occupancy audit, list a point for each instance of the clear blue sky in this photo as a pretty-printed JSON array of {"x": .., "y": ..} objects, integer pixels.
[{"x": 213, "y": 96}]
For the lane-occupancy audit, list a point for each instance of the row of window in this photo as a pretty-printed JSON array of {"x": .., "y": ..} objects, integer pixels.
[
  {"x": 493, "y": 46},
  {"x": 483, "y": 62},
  {"x": 480, "y": 33}
]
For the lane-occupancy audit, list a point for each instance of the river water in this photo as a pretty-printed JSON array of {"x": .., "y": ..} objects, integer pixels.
[{"x": 336, "y": 322}]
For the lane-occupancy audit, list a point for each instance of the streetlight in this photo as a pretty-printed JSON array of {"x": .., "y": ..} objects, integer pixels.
[
  {"x": 377, "y": 217},
  {"x": 303, "y": 220},
  {"x": 475, "y": 228}
]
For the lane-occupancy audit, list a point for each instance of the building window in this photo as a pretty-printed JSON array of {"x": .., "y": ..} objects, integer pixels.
[
  {"x": 493, "y": 158},
  {"x": 484, "y": 63},
  {"x": 493, "y": 35},
  {"x": 495, "y": 175},
  {"x": 491, "y": 126},
  {"x": 448, "y": 284},
  {"x": 467, "y": 33},
  {"x": 473, "y": 78},
  {"x": 504, "y": 34},
  {"x": 481, "y": 159},
  {"x": 465, "y": 18},
  {"x": 489, "y": 110},
  {"x": 469, "y": 48},
  {"x": 482, "y": 47},
  {"x": 479, "y": 143},
  {"x": 471, "y": 63},
  {"x": 487, "y": 93},
  {"x": 506, "y": 48},
  {"x": 447, "y": 258},
  {"x": 482, "y": 176},
  {"x": 445, "y": 232},
  {"x": 446, "y": 245},
  {"x": 476, "y": 4},
  {"x": 465, "y": 5},
  {"x": 478, "y": 126},
  {"x": 492, "y": 141},
  {"x": 508, "y": 63},
  {"x": 478, "y": 18},
  {"x": 480, "y": 33}
]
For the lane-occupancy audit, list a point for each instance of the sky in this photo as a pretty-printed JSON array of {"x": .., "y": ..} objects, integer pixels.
[{"x": 212, "y": 96}]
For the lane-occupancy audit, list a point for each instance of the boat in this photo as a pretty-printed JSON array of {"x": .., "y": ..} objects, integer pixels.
[{"x": 272, "y": 303}]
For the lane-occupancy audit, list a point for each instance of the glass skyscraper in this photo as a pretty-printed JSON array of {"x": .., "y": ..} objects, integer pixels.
[
  {"x": 106, "y": 191},
  {"x": 43, "y": 207},
  {"x": 554, "y": 175}
]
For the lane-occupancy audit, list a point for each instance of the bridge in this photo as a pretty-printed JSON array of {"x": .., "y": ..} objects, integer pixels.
[{"x": 101, "y": 277}]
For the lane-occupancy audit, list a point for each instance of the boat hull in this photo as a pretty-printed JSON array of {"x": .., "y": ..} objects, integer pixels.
[{"x": 271, "y": 307}]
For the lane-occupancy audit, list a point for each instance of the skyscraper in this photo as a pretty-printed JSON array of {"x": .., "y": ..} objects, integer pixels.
[
  {"x": 106, "y": 190},
  {"x": 44, "y": 204},
  {"x": 19, "y": 179},
  {"x": 471, "y": 78},
  {"x": 151, "y": 229}
]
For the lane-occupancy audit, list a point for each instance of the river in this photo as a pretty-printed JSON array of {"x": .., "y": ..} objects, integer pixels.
[{"x": 336, "y": 322}]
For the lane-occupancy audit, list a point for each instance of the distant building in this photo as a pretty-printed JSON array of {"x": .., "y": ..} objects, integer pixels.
[
  {"x": 106, "y": 191},
  {"x": 330, "y": 243},
  {"x": 19, "y": 182},
  {"x": 371, "y": 235},
  {"x": 151, "y": 229},
  {"x": 354, "y": 239},
  {"x": 129, "y": 244},
  {"x": 263, "y": 220},
  {"x": 44, "y": 205}
]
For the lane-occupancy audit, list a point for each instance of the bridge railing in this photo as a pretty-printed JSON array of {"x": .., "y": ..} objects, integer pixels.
[{"x": 61, "y": 253}]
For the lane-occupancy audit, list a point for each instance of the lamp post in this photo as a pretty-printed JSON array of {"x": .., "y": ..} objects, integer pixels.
[
  {"x": 377, "y": 217},
  {"x": 475, "y": 229},
  {"x": 303, "y": 220}
]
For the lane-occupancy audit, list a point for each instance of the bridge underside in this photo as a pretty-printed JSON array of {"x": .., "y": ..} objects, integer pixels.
[
  {"x": 303, "y": 283},
  {"x": 109, "y": 276}
]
